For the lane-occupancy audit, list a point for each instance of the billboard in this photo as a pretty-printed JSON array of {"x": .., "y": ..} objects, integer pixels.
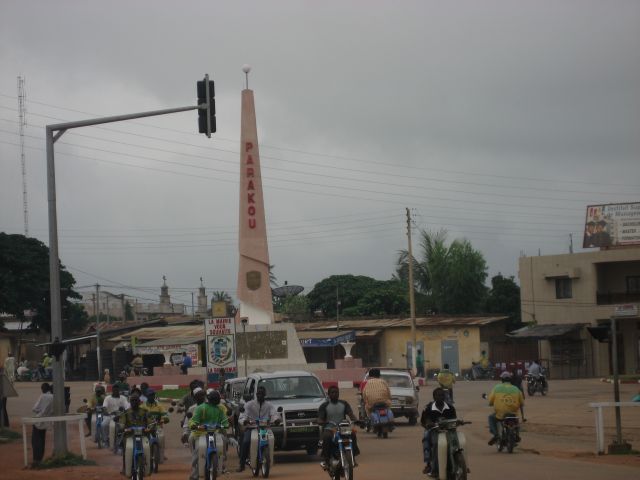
[
  {"x": 612, "y": 225},
  {"x": 220, "y": 341}
]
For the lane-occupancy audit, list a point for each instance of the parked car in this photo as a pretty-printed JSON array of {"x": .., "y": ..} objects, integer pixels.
[
  {"x": 297, "y": 395},
  {"x": 404, "y": 393}
]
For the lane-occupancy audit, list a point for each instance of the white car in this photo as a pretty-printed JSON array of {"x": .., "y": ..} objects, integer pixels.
[{"x": 404, "y": 393}]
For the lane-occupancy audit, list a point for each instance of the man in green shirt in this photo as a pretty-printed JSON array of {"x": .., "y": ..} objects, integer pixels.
[{"x": 208, "y": 413}]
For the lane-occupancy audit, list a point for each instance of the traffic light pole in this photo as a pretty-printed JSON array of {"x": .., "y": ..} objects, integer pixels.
[{"x": 53, "y": 133}]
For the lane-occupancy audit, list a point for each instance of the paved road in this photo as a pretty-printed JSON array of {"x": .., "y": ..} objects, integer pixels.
[{"x": 400, "y": 455}]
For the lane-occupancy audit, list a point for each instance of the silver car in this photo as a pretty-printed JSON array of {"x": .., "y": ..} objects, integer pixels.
[{"x": 404, "y": 393}]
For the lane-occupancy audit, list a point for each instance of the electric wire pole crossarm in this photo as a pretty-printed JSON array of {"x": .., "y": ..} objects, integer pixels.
[{"x": 53, "y": 133}]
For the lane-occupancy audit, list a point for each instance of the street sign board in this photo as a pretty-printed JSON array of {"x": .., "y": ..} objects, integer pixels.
[
  {"x": 220, "y": 341},
  {"x": 627, "y": 310}
]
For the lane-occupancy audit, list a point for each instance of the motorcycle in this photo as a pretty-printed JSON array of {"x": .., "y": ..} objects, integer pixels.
[
  {"x": 480, "y": 373},
  {"x": 381, "y": 420},
  {"x": 261, "y": 450},
  {"x": 508, "y": 433},
  {"x": 210, "y": 446},
  {"x": 137, "y": 460},
  {"x": 537, "y": 384},
  {"x": 342, "y": 459},
  {"x": 450, "y": 448}
]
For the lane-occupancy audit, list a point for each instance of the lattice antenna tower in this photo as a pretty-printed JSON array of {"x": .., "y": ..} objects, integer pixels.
[{"x": 22, "y": 115}]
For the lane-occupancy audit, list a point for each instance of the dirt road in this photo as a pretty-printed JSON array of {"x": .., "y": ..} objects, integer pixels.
[{"x": 558, "y": 442}]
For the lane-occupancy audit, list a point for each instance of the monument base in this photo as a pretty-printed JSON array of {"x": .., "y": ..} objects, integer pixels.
[{"x": 255, "y": 315}]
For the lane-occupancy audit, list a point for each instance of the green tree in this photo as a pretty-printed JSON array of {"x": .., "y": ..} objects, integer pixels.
[
  {"x": 77, "y": 320},
  {"x": 221, "y": 296},
  {"x": 450, "y": 278},
  {"x": 385, "y": 298},
  {"x": 358, "y": 295},
  {"x": 504, "y": 297},
  {"x": 24, "y": 281}
]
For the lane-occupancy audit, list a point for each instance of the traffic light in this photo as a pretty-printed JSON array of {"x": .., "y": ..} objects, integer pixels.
[{"x": 207, "y": 106}]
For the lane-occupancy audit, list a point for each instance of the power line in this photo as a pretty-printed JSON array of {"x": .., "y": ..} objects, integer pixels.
[
  {"x": 357, "y": 171},
  {"x": 339, "y": 157},
  {"x": 426, "y": 197}
]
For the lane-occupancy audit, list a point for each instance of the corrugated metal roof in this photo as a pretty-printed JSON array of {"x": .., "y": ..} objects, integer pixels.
[
  {"x": 546, "y": 331},
  {"x": 324, "y": 334},
  {"x": 171, "y": 341},
  {"x": 367, "y": 333},
  {"x": 154, "y": 333},
  {"x": 382, "y": 323}
]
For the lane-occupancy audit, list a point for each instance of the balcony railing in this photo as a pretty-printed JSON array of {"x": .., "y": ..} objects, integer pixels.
[{"x": 616, "y": 298}]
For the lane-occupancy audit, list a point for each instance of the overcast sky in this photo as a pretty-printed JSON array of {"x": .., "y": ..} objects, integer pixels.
[{"x": 497, "y": 120}]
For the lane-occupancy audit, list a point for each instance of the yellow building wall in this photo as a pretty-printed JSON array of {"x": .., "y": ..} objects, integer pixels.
[{"x": 393, "y": 345}]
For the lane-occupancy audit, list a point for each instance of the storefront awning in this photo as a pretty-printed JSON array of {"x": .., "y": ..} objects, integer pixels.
[
  {"x": 163, "y": 345},
  {"x": 325, "y": 339},
  {"x": 539, "y": 332}
]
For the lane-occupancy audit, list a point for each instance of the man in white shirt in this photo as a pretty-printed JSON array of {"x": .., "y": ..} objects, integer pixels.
[
  {"x": 42, "y": 408},
  {"x": 113, "y": 404}
]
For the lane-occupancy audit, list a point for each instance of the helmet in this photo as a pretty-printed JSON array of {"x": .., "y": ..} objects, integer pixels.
[{"x": 506, "y": 375}]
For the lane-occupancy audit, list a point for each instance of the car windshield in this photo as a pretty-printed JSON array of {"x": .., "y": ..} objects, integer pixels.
[
  {"x": 395, "y": 380},
  {"x": 292, "y": 387}
]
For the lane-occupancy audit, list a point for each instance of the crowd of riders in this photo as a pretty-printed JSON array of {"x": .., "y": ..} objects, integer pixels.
[{"x": 137, "y": 406}]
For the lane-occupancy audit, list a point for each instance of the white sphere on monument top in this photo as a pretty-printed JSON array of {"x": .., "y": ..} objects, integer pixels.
[{"x": 246, "y": 68}]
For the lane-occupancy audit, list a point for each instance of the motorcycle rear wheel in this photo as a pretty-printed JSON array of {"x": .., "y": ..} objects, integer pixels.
[{"x": 460, "y": 467}]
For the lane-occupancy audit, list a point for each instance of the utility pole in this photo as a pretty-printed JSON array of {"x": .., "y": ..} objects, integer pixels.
[
  {"x": 52, "y": 134},
  {"x": 337, "y": 310},
  {"x": 22, "y": 97},
  {"x": 412, "y": 300},
  {"x": 97, "y": 312},
  {"x": 193, "y": 308},
  {"x": 571, "y": 243}
]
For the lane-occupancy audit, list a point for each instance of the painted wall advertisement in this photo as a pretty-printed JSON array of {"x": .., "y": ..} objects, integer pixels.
[
  {"x": 220, "y": 339},
  {"x": 612, "y": 225}
]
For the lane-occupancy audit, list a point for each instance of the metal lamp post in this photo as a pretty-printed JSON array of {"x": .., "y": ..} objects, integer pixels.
[{"x": 244, "y": 321}]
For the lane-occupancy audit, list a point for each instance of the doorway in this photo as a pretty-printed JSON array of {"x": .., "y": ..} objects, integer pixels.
[{"x": 450, "y": 355}]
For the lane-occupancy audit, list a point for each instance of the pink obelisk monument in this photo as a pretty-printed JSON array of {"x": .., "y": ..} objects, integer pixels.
[{"x": 254, "y": 289}]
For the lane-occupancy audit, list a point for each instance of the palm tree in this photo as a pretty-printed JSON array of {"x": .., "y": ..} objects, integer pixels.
[{"x": 221, "y": 296}]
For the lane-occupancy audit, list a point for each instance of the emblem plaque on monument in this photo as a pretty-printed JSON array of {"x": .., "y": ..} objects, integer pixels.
[{"x": 253, "y": 280}]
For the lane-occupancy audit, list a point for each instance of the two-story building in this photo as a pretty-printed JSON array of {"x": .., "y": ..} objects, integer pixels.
[{"x": 563, "y": 295}]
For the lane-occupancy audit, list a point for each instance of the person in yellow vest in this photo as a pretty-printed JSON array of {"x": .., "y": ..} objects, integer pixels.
[
  {"x": 157, "y": 414},
  {"x": 506, "y": 399}
]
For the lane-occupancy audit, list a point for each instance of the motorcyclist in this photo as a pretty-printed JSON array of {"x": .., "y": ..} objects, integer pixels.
[
  {"x": 122, "y": 384},
  {"x": 158, "y": 414},
  {"x": 535, "y": 370},
  {"x": 46, "y": 365},
  {"x": 188, "y": 400},
  {"x": 199, "y": 396},
  {"x": 506, "y": 399},
  {"x": 377, "y": 393},
  {"x": 209, "y": 413},
  {"x": 446, "y": 379},
  {"x": 113, "y": 404},
  {"x": 254, "y": 410},
  {"x": 481, "y": 366},
  {"x": 97, "y": 399},
  {"x": 431, "y": 415},
  {"x": 134, "y": 416},
  {"x": 334, "y": 411}
]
